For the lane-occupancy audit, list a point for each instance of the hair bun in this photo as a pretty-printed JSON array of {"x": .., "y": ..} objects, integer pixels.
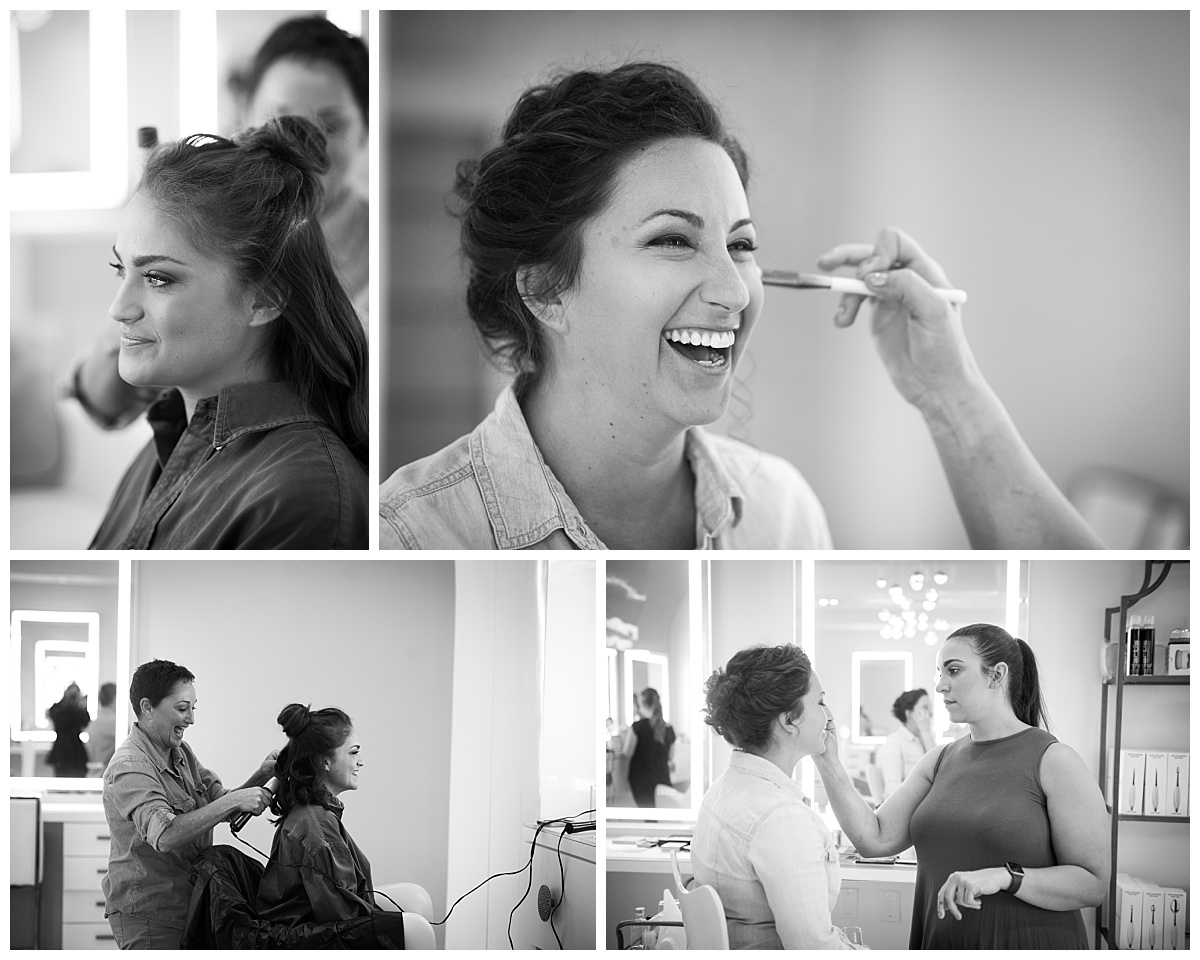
[
  {"x": 294, "y": 718},
  {"x": 298, "y": 146}
]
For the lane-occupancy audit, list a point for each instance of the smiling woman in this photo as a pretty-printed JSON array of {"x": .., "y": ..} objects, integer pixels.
[
  {"x": 612, "y": 270},
  {"x": 228, "y": 299}
]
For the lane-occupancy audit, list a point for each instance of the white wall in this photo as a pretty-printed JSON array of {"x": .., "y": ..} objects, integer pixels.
[
  {"x": 374, "y": 637},
  {"x": 1037, "y": 156}
]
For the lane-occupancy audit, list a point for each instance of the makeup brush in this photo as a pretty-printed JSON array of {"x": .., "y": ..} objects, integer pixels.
[
  {"x": 1176, "y": 795},
  {"x": 820, "y": 281},
  {"x": 1174, "y": 924},
  {"x": 1152, "y": 926},
  {"x": 1154, "y": 795}
]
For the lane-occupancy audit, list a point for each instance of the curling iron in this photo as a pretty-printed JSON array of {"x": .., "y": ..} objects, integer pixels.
[{"x": 243, "y": 818}]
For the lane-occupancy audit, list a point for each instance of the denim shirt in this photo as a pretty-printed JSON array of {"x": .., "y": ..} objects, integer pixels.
[
  {"x": 144, "y": 790},
  {"x": 492, "y": 490},
  {"x": 253, "y": 470},
  {"x": 770, "y": 859},
  {"x": 317, "y": 873}
]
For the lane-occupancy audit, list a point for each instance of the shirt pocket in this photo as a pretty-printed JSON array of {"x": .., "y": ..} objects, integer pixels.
[{"x": 181, "y": 805}]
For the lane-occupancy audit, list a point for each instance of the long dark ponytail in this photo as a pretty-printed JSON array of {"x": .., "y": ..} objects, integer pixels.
[{"x": 996, "y": 645}]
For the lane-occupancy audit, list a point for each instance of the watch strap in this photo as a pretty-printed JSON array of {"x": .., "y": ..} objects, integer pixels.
[{"x": 1018, "y": 875}]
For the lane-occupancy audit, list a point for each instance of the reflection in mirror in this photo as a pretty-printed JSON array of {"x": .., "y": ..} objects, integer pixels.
[
  {"x": 877, "y": 678},
  {"x": 69, "y": 654},
  {"x": 878, "y": 628},
  {"x": 653, "y": 632}
]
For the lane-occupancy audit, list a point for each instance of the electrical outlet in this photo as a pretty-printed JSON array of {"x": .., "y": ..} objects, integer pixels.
[
  {"x": 889, "y": 905},
  {"x": 847, "y": 905}
]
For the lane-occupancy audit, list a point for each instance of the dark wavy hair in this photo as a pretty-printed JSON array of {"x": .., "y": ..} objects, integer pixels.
[
  {"x": 312, "y": 40},
  {"x": 312, "y": 736},
  {"x": 756, "y": 686},
  {"x": 906, "y": 702},
  {"x": 524, "y": 203},
  {"x": 993, "y": 645},
  {"x": 254, "y": 206},
  {"x": 154, "y": 681}
]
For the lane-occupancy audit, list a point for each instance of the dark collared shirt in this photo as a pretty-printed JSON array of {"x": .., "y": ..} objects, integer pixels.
[
  {"x": 144, "y": 790},
  {"x": 253, "y": 470},
  {"x": 491, "y": 490},
  {"x": 317, "y": 873}
]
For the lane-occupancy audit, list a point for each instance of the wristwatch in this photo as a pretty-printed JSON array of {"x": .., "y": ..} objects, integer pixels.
[{"x": 1017, "y": 873}]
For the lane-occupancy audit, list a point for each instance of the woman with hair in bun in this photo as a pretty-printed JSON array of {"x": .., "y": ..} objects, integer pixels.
[
  {"x": 316, "y": 872},
  {"x": 757, "y": 841},
  {"x": 1010, "y": 828},
  {"x": 906, "y": 745},
  {"x": 610, "y": 247},
  {"x": 228, "y": 300}
]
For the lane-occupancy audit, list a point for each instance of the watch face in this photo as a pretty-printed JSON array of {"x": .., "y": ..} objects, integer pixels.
[{"x": 1015, "y": 868}]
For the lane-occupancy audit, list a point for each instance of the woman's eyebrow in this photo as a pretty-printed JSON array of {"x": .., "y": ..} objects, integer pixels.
[
  {"x": 694, "y": 219},
  {"x": 148, "y": 259}
]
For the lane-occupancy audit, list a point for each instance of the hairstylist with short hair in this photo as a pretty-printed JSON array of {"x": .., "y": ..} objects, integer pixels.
[
  {"x": 1010, "y": 828},
  {"x": 161, "y": 804}
]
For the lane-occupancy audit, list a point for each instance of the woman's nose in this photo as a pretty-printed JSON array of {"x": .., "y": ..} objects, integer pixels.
[
  {"x": 724, "y": 286},
  {"x": 942, "y": 686},
  {"x": 125, "y": 307}
]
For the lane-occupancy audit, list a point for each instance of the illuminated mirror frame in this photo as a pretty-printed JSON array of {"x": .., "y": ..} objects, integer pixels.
[
  {"x": 610, "y": 662},
  {"x": 105, "y": 183},
  {"x": 857, "y": 659},
  {"x": 699, "y": 594},
  {"x": 660, "y": 660},
  {"x": 125, "y": 601},
  {"x": 43, "y": 651}
]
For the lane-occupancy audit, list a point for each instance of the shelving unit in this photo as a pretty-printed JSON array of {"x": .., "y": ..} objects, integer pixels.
[{"x": 1151, "y": 581}]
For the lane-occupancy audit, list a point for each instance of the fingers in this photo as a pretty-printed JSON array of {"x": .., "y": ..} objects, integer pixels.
[
  {"x": 910, "y": 289},
  {"x": 895, "y": 249},
  {"x": 957, "y": 891},
  {"x": 845, "y": 255},
  {"x": 847, "y": 309}
]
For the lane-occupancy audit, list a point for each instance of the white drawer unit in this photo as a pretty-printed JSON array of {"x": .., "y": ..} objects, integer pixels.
[
  {"x": 84, "y": 873},
  {"x": 85, "y": 839},
  {"x": 88, "y": 936},
  {"x": 85, "y": 862}
]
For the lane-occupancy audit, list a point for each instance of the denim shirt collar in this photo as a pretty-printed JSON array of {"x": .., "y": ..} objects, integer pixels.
[
  {"x": 234, "y": 411},
  {"x": 166, "y": 762},
  {"x": 750, "y": 765},
  {"x": 505, "y": 458}
]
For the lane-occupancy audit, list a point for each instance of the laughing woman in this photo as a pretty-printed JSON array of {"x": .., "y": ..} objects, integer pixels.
[
  {"x": 228, "y": 300},
  {"x": 161, "y": 805},
  {"x": 612, "y": 270}
]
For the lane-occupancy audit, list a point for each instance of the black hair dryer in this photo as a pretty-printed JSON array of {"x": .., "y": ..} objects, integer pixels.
[{"x": 243, "y": 818}]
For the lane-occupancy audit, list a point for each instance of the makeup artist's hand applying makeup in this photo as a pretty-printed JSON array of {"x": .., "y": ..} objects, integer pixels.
[
  {"x": 918, "y": 334},
  {"x": 1005, "y": 499}
]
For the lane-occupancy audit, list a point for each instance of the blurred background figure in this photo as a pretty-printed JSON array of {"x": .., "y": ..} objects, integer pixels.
[
  {"x": 102, "y": 735},
  {"x": 84, "y": 82},
  {"x": 650, "y": 747},
  {"x": 899, "y": 753},
  {"x": 69, "y": 756},
  {"x": 978, "y": 163}
]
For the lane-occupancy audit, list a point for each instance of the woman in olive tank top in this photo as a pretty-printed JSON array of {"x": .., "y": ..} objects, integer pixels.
[{"x": 1010, "y": 829}]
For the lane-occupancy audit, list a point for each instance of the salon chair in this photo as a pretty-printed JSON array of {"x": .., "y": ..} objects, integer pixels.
[
  {"x": 221, "y": 915},
  {"x": 703, "y": 914}
]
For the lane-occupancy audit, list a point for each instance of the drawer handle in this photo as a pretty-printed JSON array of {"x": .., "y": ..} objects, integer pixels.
[
  {"x": 99, "y": 903},
  {"x": 106, "y": 936},
  {"x": 104, "y": 837},
  {"x": 102, "y": 869}
]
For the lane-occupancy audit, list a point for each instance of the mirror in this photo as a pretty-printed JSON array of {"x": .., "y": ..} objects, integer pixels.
[
  {"x": 67, "y": 110},
  {"x": 877, "y": 678},
  {"x": 68, "y": 624},
  {"x": 654, "y": 641}
]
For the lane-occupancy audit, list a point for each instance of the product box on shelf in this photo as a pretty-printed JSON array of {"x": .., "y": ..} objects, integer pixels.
[
  {"x": 1156, "y": 795},
  {"x": 1174, "y": 918},
  {"x": 1176, "y": 804},
  {"x": 1179, "y": 658},
  {"x": 1133, "y": 781},
  {"x": 1128, "y": 920},
  {"x": 1152, "y": 916}
]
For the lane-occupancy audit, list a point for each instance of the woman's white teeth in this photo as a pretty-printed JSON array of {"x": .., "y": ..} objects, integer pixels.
[{"x": 717, "y": 339}]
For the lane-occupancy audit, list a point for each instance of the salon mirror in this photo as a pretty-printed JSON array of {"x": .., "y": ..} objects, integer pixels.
[
  {"x": 654, "y": 632},
  {"x": 68, "y": 623},
  {"x": 875, "y": 677}
]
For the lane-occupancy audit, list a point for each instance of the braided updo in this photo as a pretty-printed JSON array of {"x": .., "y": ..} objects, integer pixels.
[
  {"x": 312, "y": 736},
  {"x": 756, "y": 686},
  {"x": 524, "y": 203}
]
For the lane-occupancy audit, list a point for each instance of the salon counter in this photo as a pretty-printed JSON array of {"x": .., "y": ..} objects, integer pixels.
[
  {"x": 876, "y": 897},
  {"x": 74, "y": 847}
]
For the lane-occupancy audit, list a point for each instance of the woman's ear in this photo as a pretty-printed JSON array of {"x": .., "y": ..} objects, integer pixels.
[
  {"x": 263, "y": 311},
  {"x": 144, "y": 706},
  {"x": 549, "y": 310},
  {"x": 999, "y": 672}
]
